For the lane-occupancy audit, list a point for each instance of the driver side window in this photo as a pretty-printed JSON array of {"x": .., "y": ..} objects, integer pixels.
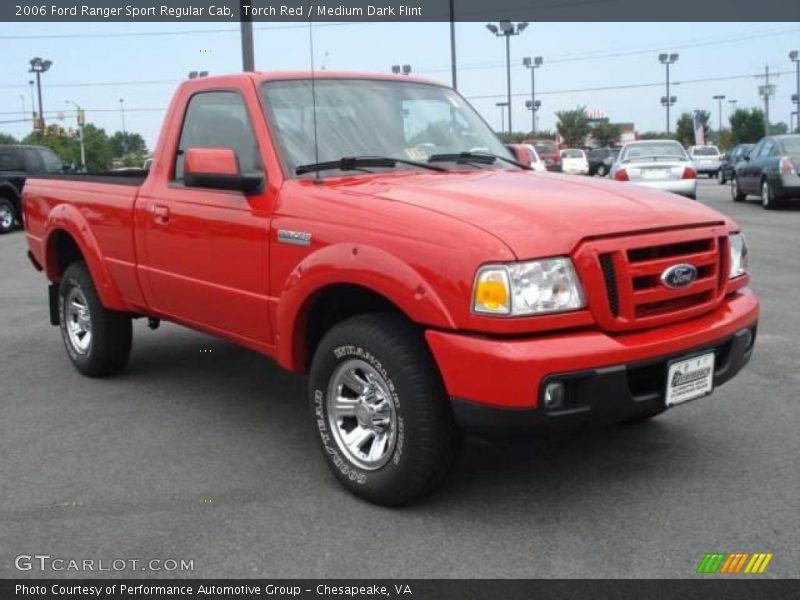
[{"x": 218, "y": 120}]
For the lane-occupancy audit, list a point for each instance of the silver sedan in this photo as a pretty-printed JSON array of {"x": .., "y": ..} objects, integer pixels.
[{"x": 661, "y": 164}]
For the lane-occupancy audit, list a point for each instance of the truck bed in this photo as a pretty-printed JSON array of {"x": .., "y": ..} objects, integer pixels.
[{"x": 134, "y": 177}]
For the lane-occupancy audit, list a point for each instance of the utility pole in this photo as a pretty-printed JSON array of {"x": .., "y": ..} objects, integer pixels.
[
  {"x": 453, "y": 43},
  {"x": 533, "y": 64},
  {"x": 502, "y": 106},
  {"x": 507, "y": 29},
  {"x": 794, "y": 56},
  {"x": 766, "y": 91},
  {"x": 667, "y": 60},
  {"x": 81, "y": 121}
]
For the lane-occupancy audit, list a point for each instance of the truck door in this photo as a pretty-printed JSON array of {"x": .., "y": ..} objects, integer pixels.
[{"x": 203, "y": 253}]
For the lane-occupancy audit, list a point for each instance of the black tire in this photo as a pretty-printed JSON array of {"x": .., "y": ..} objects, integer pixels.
[
  {"x": 426, "y": 441},
  {"x": 721, "y": 177},
  {"x": 8, "y": 216},
  {"x": 736, "y": 194},
  {"x": 109, "y": 344},
  {"x": 768, "y": 200},
  {"x": 601, "y": 171}
]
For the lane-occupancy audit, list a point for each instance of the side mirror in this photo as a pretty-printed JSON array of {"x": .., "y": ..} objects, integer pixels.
[
  {"x": 218, "y": 169},
  {"x": 520, "y": 153},
  {"x": 745, "y": 156}
]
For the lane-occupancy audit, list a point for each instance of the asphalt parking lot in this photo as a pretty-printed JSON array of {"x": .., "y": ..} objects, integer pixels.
[{"x": 202, "y": 451}]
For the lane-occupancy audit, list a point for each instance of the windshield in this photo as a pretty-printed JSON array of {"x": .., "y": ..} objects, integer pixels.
[
  {"x": 705, "y": 151},
  {"x": 660, "y": 149},
  {"x": 572, "y": 154},
  {"x": 791, "y": 146},
  {"x": 366, "y": 117}
]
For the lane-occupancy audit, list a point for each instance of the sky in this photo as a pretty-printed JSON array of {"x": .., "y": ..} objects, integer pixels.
[{"x": 97, "y": 64}]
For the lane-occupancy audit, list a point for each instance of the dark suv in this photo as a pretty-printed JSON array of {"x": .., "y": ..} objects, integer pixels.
[{"x": 17, "y": 163}]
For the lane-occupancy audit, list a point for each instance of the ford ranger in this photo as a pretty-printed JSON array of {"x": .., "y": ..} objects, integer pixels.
[{"x": 374, "y": 232}]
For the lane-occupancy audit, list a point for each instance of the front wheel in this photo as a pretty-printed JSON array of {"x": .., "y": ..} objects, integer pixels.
[
  {"x": 8, "y": 216},
  {"x": 380, "y": 411},
  {"x": 98, "y": 340}
]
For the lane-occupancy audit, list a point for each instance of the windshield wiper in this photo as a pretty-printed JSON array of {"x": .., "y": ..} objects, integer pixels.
[
  {"x": 356, "y": 163},
  {"x": 486, "y": 158}
]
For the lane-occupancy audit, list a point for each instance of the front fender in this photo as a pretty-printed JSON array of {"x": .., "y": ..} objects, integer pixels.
[
  {"x": 67, "y": 218},
  {"x": 365, "y": 266}
]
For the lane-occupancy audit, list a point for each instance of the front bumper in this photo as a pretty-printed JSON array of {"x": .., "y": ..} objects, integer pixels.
[{"x": 608, "y": 378}]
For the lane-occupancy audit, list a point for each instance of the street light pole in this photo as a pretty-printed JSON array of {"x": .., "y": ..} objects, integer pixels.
[
  {"x": 719, "y": 98},
  {"x": 502, "y": 106},
  {"x": 124, "y": 133},
  {"x": 507, "y": 29},
  {"x": 80, "y": 120},
  {"x": 668, "y": 59},
  {"x": 39, "y": 66},
  {"x": 453, "y": 43},
  {"x": 794, "y": 56},
  {"x": 533, "y": 64}
]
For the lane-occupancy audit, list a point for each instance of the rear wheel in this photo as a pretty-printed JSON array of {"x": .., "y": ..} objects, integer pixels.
[
  {"x": 380, "y": 412},
  {"x": 602, "y": 171},
  {"x": 736, "y": 193},
  {"x": 768, "y": 200},
  {"x": 98, "y": 340},
  {"x": 8, "y": 216},
  {"x": 721, "y": 177}
]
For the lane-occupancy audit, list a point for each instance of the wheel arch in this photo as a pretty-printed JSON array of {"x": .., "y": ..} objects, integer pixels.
[
  {"x": 345, "y": 280},
  {"x": 69, "y": 238}
]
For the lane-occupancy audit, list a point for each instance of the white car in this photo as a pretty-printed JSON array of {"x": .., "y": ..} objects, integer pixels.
[
  {"x": 661, "y": 164},
  {"x": 536, "y": 163},
  {"x": 706, "y": 159},
  {"x": 574, "y": 161}
]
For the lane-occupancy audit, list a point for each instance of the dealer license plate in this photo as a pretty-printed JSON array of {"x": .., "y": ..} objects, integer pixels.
[
  {"x": 655, "y": 173},
  {"x": 689, "y": 379}
]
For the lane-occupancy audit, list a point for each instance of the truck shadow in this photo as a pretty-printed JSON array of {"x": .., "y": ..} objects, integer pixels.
[{"x": 252, "y": 398}]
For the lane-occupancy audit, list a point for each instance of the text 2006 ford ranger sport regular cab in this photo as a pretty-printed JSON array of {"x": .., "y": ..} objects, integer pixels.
[{"x": 376, "y": 233}]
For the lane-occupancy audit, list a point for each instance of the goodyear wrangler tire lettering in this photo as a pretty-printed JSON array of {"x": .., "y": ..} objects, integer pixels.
[{"x": 382, "y": 418}]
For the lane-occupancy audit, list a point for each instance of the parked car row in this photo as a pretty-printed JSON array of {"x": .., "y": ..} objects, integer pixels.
[{"x": 770, "y": 170}]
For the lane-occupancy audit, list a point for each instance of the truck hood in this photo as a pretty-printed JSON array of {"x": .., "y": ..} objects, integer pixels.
[{"x": 539, "y": 214}]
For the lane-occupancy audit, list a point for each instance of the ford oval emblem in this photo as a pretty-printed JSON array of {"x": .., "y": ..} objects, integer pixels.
[{"x": 679, "y": 276}]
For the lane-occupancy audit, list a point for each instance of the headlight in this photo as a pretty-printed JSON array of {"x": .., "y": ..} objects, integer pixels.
[
  {"x": 527, "y": 288},
  {"x": 740, "y": 261}
]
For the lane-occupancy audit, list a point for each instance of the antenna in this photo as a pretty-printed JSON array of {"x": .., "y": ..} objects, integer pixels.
[{"x": 313, "y": 94}]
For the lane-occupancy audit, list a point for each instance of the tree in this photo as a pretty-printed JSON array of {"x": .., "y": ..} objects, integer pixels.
[
  {"x": 684, "y": 130},
  {"x": 606, "y": 134},
  {"x": 7, "y": 139},
  {"x": 655, "y": 135},
  {"x": 65, "y": 143},
  {"x": 779, "y": 128},
  {"x": 574, "y": 127},
  {"x": 747, "y": 126},
  {"x": 123, "y": 144}
]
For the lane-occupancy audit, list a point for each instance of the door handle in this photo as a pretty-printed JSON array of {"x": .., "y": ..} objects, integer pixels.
[{"x": 160, "y": 213}]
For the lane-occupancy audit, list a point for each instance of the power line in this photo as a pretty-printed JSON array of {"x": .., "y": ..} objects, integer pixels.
[
  {"x": 625, "y": 86},
  {"x": 58, "y": 36},
  {"x": 625, "y": 52}
]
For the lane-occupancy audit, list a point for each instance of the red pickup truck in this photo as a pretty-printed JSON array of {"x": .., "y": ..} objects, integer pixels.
[{"x": 373, "y": 231}]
